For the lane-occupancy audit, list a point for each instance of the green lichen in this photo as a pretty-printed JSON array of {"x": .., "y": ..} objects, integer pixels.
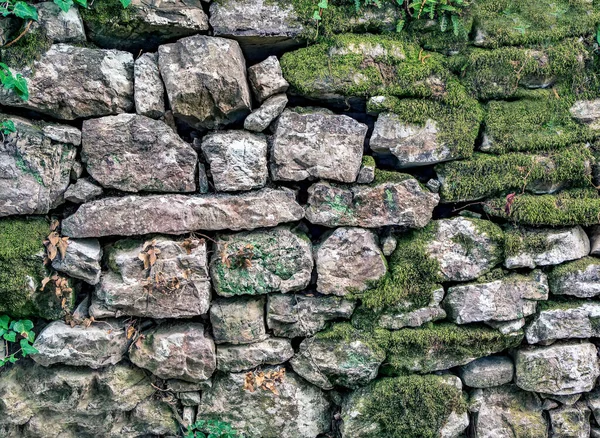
[
  {"x": 490, "y": 175},
  {"x": 387, "y": 176},
  {"x": 27, "y": 50}
]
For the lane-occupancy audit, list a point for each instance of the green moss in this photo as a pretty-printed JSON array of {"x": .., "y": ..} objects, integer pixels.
[
  {"x": 110, "y": 14},
  {"x": 428, "y": 35},
  {"x": 368, "y": 161},
  {"x": 517, "y": 241},
  {"x": 558, "y": 273},
  {"x": 489, "y": 175},
  {"x": 27, "y": 50},
  {"x": 570, "y": 207},
  {"x": 387, "y": 176},
  {"x": 560, "y": 304}
]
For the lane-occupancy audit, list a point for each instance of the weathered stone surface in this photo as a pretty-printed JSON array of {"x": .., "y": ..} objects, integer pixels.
[
  {"x": 261, "y": 118},
  {"x": 190, "y": 398},
  {"x": 570, "y": 421},
  {"x": 70, "y": 82},
  {"x": 295, "y": 316},
  {"x": 593, "y": 402},
  {"x": 177, "y": 285},
  {"x": 135, "y": 153},
  {"x": 504, "y": 410},
  {"x": 261, "y": 262},
  {"x": 148, "y": 24},
  {"x": 552, "y": 246},
  {"x": 595, "y": 240},
  {"x": 34, "y": 170},
  {"x": 348, "y": 260},
  {"x": 388, "y": 245},
  {"x": 205, "y": 78},
  {"x": 487, "y": 372},
  {"x": 316, "y": 145},
  {"x": 266, "y": 79},
  {"x": 62, "y": 134},
  {"x": 153, "y": 417},
  {"x": 506, "y": 299},
  {"x": 580, "y": 278},
  {"x": 366, "y": 174},
  {"x": 560, "y": 369},
  {"x": 397, "y": 316},
  {"x": 235, "y": 358},
  {"x": 96, "y": 346},
  {"x": 328, "y": 362},
  {"x": 239, "y": 320},
  {"x": 60, "y": 26},
  {"x": 402, "y": 203},
  {"x": 587, "y": 112},
  {"x": 237, "y": 160},
  {"x": 564, "y": 321},
  {"x": 149, "y": 93},
  {"x": 507, "y": 327},
  {"x": 82, "y": 260},
  {"x": 178, "y": 350},
  {"x": 178, "y": 214},
  {"x": 297, "y": 410},
  {"x": 82, "y": 191}
]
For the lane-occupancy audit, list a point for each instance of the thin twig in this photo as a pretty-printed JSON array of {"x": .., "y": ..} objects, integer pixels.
[{"x": 19, "y": 37}]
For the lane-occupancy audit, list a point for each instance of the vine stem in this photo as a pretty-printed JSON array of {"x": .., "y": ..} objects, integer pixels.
[{"x": 21, "y": 35}]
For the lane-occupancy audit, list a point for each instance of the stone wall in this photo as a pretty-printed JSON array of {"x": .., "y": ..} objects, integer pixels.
[{"x": 210, "y": 211}]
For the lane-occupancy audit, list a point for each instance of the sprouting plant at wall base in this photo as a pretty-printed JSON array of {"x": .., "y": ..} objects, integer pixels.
[
  {"x": 11, "y": 82},
  {"x": 212, "y": 429},
  {"x": 13, "y": 330}
]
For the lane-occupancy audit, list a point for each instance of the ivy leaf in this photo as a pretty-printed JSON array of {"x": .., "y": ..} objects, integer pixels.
[
  {"x": 316, "y": 16},
  {"x": 83, "y": 3},
  {"x": 323, "y": 4},
  {"x": 4, "y": 11},
  {"x": 10, "y": 336},
  {"x": 21, "y": 87},
  {"x": 125, "y": 3},
  {"x": 4, "y": 321},
  {"x": 598, "y": 35},
  {"x": 7, "y": 126},
  {"x": 27, "y": 348},
  {"x": 25, "y": 11},
  {"x": 64, "y": 5}
]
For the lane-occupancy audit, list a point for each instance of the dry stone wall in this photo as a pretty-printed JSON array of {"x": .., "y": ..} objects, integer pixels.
[{"x": 217, "y": 211}]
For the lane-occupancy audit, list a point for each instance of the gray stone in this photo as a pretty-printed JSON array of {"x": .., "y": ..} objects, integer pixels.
[
  {"x": 179, "y": 214},
  {"x": 366, "y": 174},
  {"x": 101, "y": 344},
  {"x": 561, "y": 369},
  {"x": 504, "y": 410},
  {"x": 135, "y": 153},
  {"x": 487, "y": 372},
  {"x": 507, "y": 327},
  {"x": 316, "y": 145},
  {"x": 34, "y": 170},
  {"x": 295, "y": 316},
  {"x": 235, "y": 358},
  {"x": 593, "y": 402},
  {"x": 266, "y": 79},
  {"x": 296, "y": 409},
  {"x": 561, "y": 245},
  {"x": 564, "y": 321},
  {"x": 149, "y": 93},
  {"x": 397, "y": 316},
  {"x": 587, "y": 112},
  {"x": 567, "y": 400},
  {"x": 178, "y": 350},
  {"x": 60, "y": 26},
  {"x": 189, "y": 415},
  {"x": 62, "y": 133},
  {"x": 403, "y": 203},
  {"x": 434, "y": 185},
  {"x": 205, "y": 78},
  {"x": 191, "y": 398},
  {"x": 82, "y": 191},
  {"x": 261, "y": 262},
  {"x": 239, "y": 320},
  {"x": 506, "y": 299},
  {"x": 595, "y": 432},
  {"x": 595, "y": 240},
  {"x": 237, "y": 160},
  {"x": 73, "y": 82},
  {"x": 580, "y": 278},
  {"x": 388, "y": 245},
  {"x": 261, "y": 118},
  {"x": 82, "y": 260},
  {"x": 570, "y": 421},
  {"x": 329, "y": 362},
  {"x": 349, "y": 261},
  {"x": 77, "y": 168},
  {"x": 175, "y": 385},
  {"x": 177, "y": 285}
]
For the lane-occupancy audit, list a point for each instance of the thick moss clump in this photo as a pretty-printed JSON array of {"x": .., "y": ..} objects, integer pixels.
[
  {"x": 27, "y": 50},
  {"x": 576, "y": 266},
  {"x": 492, "y": 175},
  {"x": 110, "y": 14},
  {"x": 516, "y": 242},
  {"x": 570, "y": 207}
]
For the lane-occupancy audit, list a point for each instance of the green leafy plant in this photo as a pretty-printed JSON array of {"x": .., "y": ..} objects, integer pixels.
[
  {"x": 212, "y": 429},
  {"x": 7, "y": 127},
  {"x": 19, "y": 9},
  {"x": 13, "y": 330},
  {"x": 446, "y": 12},
  {"x": 11, "y": 82},
  {"x": 65, "y": 5}
]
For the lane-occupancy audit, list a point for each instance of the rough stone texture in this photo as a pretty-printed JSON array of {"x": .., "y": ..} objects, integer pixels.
[
  {"x": 465, "y": 248},
  {"x": 60, "y": 26},
  {"x": 34, "y": 170},
  {"x": 506, "y": 299},
  {"x": 347, "y": 261},
  {"x": 178, "y": 214},
  {"x": 235, "y": 358},
  {"x": 580, "y": 278},
  {"x": 82, "y": 191},
  {"x": 562, "y": 244},
  {"x": 316, "y": 145},
  {"x": 260, "y": 262},
  {"x": 238, "y": 320},
  {"x": 237, "y": 160},
  {"x": 587, "y": 112},
  {"x": 570, "y": 421},
  {"x": 507, "y": 327},
  {"x": 366, "y": 174},
  {"x": 149, "y": 94},
  {"x": 205, "y": 78},
  {"x": 71, "y": 82},
  {"x": 294, "y": 316},
  {"x": 82, "y": 260},
  {"x": 505, "y": 409},
  {"x": 413, "y": 145},
  {"x": 566, "y": 322},
  {"x": 396, "y": 317},
  {"x": 560, "y": 369},
  {"x": 266, "y": 79},
  {"x": 178, "y": 350},
  {"x": 402, "y": 203},
  {"x": 388, "y": 245},
  {"x": 261, "y": 118},
  {"x": 487, "y": 372},
  {"x": 593, "y": 402},
  {"x": 299, "y": 410},
  {"x": 595, "y": 240},
  {"x": 96, "y": 346},
  {"x": 176, "y": 286},
  {"x": 62, "y": 134},
  {"x": 191, "y": 398},
  {"x": 135, "y": 153},
  {"x": 325, "y": 362}
]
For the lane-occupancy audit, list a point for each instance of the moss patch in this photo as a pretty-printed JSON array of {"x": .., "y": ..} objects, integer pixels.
[
  {"x": 558, "y": 273},
  {"x": 109, "y": 14},
  {"x": 517, "y": 241},
  {"x": 27, "y": 50},
  {"x": 560, "y": 304}
]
